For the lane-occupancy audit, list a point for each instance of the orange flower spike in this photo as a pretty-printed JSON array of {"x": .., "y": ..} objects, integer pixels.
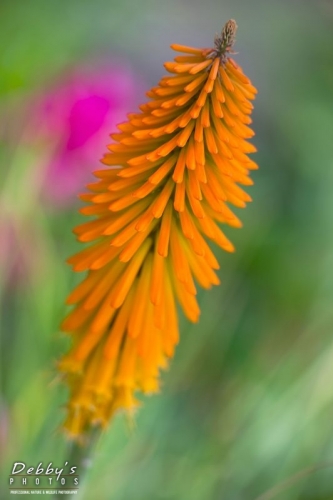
[{"x": 173, "y": 170}]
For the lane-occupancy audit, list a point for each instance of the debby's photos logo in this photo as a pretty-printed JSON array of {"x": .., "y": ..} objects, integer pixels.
[{"x": 43, "y": 479}]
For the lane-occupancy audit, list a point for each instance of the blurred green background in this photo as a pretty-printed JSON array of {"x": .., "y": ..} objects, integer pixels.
[{"x": 246, "y": 408}]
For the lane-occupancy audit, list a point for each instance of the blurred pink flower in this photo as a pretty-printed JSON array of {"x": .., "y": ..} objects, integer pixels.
[{"x": 75, "y": 119}]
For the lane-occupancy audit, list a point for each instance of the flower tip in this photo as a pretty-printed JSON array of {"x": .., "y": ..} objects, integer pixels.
[{"x": 226, "y": 40}]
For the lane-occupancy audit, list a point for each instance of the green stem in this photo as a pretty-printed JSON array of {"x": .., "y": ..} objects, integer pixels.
[{"x": 81, "y": 456}]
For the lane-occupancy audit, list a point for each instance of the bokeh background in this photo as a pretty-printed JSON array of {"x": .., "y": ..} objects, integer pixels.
[{"x": 246, "y": 408}]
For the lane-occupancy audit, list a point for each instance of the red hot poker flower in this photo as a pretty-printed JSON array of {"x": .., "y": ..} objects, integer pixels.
[{"x": 173, "y": 171}]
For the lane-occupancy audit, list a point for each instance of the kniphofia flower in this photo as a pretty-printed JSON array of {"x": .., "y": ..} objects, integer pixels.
[{"x": 172, "y": 172}]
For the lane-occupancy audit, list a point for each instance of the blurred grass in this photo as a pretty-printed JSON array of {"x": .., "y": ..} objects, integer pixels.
[{"x": 248, "y": 400}]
